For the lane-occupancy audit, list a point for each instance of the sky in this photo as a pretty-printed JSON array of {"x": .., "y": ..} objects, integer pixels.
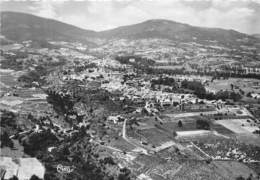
[{"x": 240, "y": 15}]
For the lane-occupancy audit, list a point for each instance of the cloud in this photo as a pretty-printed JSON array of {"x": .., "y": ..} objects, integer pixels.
[
  {"x": 241, "y": 15},
  {"x": 44, "y": 9}
]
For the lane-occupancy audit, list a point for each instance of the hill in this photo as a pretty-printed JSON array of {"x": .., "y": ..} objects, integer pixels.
[
  {"x": 160, "y": 28},
  {"x": 20, "y": 26}
]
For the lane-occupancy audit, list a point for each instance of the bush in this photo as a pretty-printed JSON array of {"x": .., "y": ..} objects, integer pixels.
[
  {"x": 202, "y": 124},
  {"x": 34, "y": 177},
  {"x": 6, "y": 141},
  {"x": 39, "y": 141},
  {"x": 223, "y": 95},
  {"x": 125, "y": 174},
  {"x": 180, "y": 124},
  {"x": 7, "y": 118},
  {"x": 196, "y": 86}
]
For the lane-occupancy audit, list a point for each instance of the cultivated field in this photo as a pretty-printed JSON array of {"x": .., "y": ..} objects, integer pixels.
[{"x": 239, "y": 126}]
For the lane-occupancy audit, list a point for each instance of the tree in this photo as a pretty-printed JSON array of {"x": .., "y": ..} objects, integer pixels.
[
  {"x": 124, "y": 174},
  {"x": 240, "y": 178},
  {"x": 62, "y": 104},
  {"x": 249, "y": 94},
  {"x": 39, "y": 141},
  {"x": 8, "y": 118},
  {"x": 14, "y": 178},
  {"x": 250, "y": 177},
  {"x": 109, "y": 160},
  {"x": 180, "y": 124},
  {"x": 196, "y": 86},
  {"x": 6, "y": 141},
  {"x": 29, "y": 78},
  {"x": 174, "y": 134},
  {"x": 202, "y": 124},
  {"x": 235, "y": 96},
  {"x": 34, "y": 177},
  {"x": 232, "y": 87},
  {"x": 242, "y": 92}
]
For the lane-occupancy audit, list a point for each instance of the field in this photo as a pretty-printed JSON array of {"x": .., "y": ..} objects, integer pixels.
[
  {"x": 189, "y": 124},
  {"x": 249, "y": 139},
  {"x": 233, "y": 169},
  {"x": 246, "y": 85},
  {"x": 11, "y": 100},
  {"x": 121, "y": 144},
  {"x": 153, "y": 136},
  {"x": 217, "y": 170},
  {"x": 222, "y": 148},
  {"x": 203, "y": 137},
  {"x": 7, "y": 77},
  {"x": 193, "y": 169},
  {"x": 239, "y": 126},
  {"x": 170, "y": 67},
  {"x": 28, "y": 93},
  {"x": 7, "y": 80},
  {"x": 222, "y": 129}
]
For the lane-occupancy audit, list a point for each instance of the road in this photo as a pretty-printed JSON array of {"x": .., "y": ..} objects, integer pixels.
[{"x": 131, "y": 141}]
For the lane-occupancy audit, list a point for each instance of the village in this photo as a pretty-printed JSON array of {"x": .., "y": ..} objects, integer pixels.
[{"x": 155, "y": 123}]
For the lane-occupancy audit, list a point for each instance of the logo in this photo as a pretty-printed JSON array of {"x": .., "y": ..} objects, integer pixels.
[{"x": 65, "y": 169}]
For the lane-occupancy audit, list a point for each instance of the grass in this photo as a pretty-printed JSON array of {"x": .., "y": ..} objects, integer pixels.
[
  {"x": 186, "y": 126},
  {"x": 244, "y": 84},
  {"x": 121, "y": 144},
  {"x": 8, "y": 79},
  {"x": 215, "y": 170},
  {"x": 155, "y": 136},
  {"x": 222, "y": 130},
  {"x": 233, "y": 169}
]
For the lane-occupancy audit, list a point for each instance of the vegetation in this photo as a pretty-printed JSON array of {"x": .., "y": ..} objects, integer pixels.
[
  {"x": 5, "y": 140},
  {"x": 33, "y": 77},
  {"x": 180, "y": 124},
  {"x": 136, "y": 61},
  {"x": 8, "y": 119},
  {"x": 124, "y": 174},
  {"x": 12, "y": 63},
  {"x": 167, "y": 81},
  {"x": 202, "y": 124},
  {"x": 37, "y": 142},
  {"x": 62, "y": 103},
  {"x": 196, "y": 86},
  {"x": 200, "y": 91},
  {"x": 34, "y": 177},
  {"x": 182, "y": 71}
]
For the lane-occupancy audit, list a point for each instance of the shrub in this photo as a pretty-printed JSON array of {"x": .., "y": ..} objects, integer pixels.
[{"x": 202, "y": 124}]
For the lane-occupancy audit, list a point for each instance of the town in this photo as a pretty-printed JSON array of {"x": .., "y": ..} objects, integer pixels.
[{"x": 146, "y": 109}]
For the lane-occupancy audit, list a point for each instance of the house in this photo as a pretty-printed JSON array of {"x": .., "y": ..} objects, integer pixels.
[{"x": 115, "y": 119}]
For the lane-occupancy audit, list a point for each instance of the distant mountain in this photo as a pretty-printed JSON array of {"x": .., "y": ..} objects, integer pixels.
[
  {"x": 21, "y": 26},
  {"x": 160, "y": 28}
]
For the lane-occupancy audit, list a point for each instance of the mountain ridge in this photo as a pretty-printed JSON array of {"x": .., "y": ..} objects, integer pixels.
[{"x": 21, "y": 26}]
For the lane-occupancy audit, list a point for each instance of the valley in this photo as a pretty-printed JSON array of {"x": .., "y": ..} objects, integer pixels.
[{"x": 156, "y": 100}]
